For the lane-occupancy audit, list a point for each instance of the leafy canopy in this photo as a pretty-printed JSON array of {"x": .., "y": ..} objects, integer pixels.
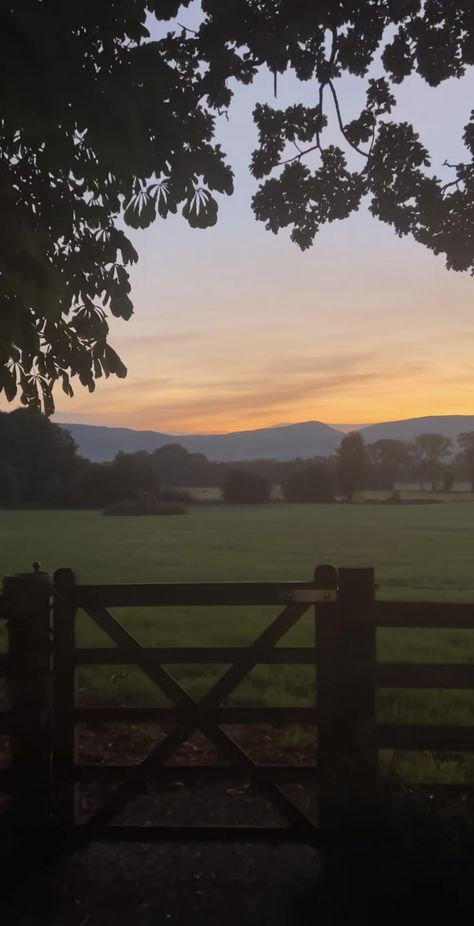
[{"x": 102, "y": 125}]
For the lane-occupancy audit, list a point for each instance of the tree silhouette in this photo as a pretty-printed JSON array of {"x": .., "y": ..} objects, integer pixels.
[
  {"x": 432, "y": 449},
  {"x": 391, "y": 456},
  {"x": 100, "y": 123},
  {"x": 352, "y": 463},
  {"x": 311, "y": 484},
  {"x": 242, "y": 487},
  {"x": 466, "y": 443}
]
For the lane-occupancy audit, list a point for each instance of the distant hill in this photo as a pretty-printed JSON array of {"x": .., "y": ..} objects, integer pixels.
[
  {"x": 309, "y": 439},
  {"x": 448, "y": 425},
  {"x": 305, "y": 440}
]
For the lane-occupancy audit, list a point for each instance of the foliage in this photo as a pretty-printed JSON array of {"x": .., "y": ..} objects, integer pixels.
[
  {"x": 9, "y": 485},
  {"x": 242, "y": 487},
  {"x": 175, "y": 466},
  {"x": 466, "y": 443},
  {"x": 431, "y": 450},
  {"x": 36, "y": 453},
  {"x": 390, "y": 457},
  {"x": 352, "y": 464},
  {"x": 311, "y": 484},
  {"x": 40, "y": 467},
  {"x": 103, "y": 125},
  {"x": 145, "y": 504}
]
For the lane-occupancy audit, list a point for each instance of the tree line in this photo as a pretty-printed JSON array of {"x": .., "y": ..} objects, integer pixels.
[{"x": 40, "y": 466}]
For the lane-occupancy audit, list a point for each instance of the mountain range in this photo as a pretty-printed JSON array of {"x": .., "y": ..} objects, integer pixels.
[{"x": 287, "y": 442}]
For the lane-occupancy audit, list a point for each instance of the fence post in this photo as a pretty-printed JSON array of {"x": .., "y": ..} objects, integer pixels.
[
  {"x": 64, "y": 697},
  {"x": 27, "y": 605},
  {"x": 346, "y": 692}
]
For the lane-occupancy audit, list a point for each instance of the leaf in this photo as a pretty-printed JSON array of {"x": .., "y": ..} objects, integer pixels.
[
  {"x": 8, "y": 384},
  {"x": 200, "y": 210},
  {"x": 112, "y": 363},
  {"x": 120, "y": 304}
]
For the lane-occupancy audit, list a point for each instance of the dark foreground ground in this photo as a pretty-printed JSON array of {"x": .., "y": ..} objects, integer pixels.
[
  {"x": 145, "y": 885},
  {"x": 382, "y": 876},
  {"x": 414, "y": 853}
]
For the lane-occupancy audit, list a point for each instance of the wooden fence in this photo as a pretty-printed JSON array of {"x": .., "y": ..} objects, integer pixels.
[{"x": 40, "y": 668}]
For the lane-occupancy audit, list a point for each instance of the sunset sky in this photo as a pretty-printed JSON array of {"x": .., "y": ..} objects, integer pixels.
[{"x": 236, "y": 328}]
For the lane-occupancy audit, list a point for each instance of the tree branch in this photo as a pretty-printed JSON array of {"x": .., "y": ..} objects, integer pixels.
[
  {"x": 187, "y": 28},
  {"x": 364, "y": 154},
  {"x": 459, "y": 167},
  {"x": 301, "y": 154}
]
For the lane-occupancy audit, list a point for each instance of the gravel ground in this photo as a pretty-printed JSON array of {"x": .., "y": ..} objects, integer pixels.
[{"x": 171, "y": 885}]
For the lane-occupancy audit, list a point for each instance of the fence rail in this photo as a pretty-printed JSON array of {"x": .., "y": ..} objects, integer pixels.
[{"x": 42, "y": 718}]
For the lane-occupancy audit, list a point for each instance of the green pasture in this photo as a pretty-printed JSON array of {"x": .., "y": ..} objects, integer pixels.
[{"x": 419, "y": 552}]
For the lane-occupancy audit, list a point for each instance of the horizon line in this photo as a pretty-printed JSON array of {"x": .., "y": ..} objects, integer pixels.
[{"x": 337, "y": 427}]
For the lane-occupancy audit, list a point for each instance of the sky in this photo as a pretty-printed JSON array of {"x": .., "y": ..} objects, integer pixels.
[{"x": 236, "y": 328}]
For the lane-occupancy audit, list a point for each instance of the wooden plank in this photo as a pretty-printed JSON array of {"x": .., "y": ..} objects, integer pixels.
[
  {"x": 207, "y": 774},
  {"x": 345, "y": 675},
  {"x": 425, "y": 675},
  {"x": 64, "y": 696},
  {"x": 272, "y": 634},
  {"x": 154, "y": 760},
  {"x": 428, "y": 737},
  {"x": 155, "y": 672},
  {"x": 289, "y": 811},
  {"x": 203, "y": 834},
  {"x": 27, "y": 599},
  {"x": 202, "y": 716},
  {"x": 172, "y": 594},
  {"x": 171, "y": 715},
  {"x": 425, "y": 614},
  {"x": 222, "y": 655}
]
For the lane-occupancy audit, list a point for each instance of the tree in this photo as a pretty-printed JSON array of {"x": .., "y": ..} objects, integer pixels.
[
  {"x": 432, "y": 450},
  {"x": 37, "y": 450},
  {"x": 102, "y": 124},
  {"x": 466, "y": 443},
  {"x": 352, "y": 463},
  {"x": 176, "y": 466},
  {"x": 9, "y": 485},
  {"x": 132, "y": 473},
  {"x": 391, "y": 457},
  {"x": 242, "y": 487},
  {"x": 311, "y": 484}
]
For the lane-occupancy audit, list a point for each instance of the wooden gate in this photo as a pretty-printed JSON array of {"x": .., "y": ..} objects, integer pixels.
[
  {"x": 187, "y": 715},
  {"x": 40, "y": 666}
]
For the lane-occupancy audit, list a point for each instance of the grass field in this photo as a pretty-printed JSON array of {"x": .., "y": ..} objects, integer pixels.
[{"x": 419, "y": 552}]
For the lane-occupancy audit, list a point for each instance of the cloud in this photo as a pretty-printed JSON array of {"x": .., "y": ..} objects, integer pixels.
[{"x": 282, "y": 390}]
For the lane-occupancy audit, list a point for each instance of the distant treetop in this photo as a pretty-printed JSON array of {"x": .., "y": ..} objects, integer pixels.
[{"x": 100, "y": 124}]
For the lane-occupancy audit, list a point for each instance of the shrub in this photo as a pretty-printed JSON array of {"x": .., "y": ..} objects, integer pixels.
[
  {"x": 312, "y": 484},
  {"x": 243, "y": 487},
  {"x": 141, "y": 506}
]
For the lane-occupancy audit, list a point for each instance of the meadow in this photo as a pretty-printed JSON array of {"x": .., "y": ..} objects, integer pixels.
[{"x": 422, "y": 552}]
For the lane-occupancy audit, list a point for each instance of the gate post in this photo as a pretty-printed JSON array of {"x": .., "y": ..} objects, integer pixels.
[
  {"x": 64, "y": 697},
  {"x": 27, "y": 600},
  {"x": 346, "y": 692}
]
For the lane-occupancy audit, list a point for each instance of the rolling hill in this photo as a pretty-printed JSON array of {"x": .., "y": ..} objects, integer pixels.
[
  {"x": 307, "y": 439},
  {"x": 448, "y": 425}
]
